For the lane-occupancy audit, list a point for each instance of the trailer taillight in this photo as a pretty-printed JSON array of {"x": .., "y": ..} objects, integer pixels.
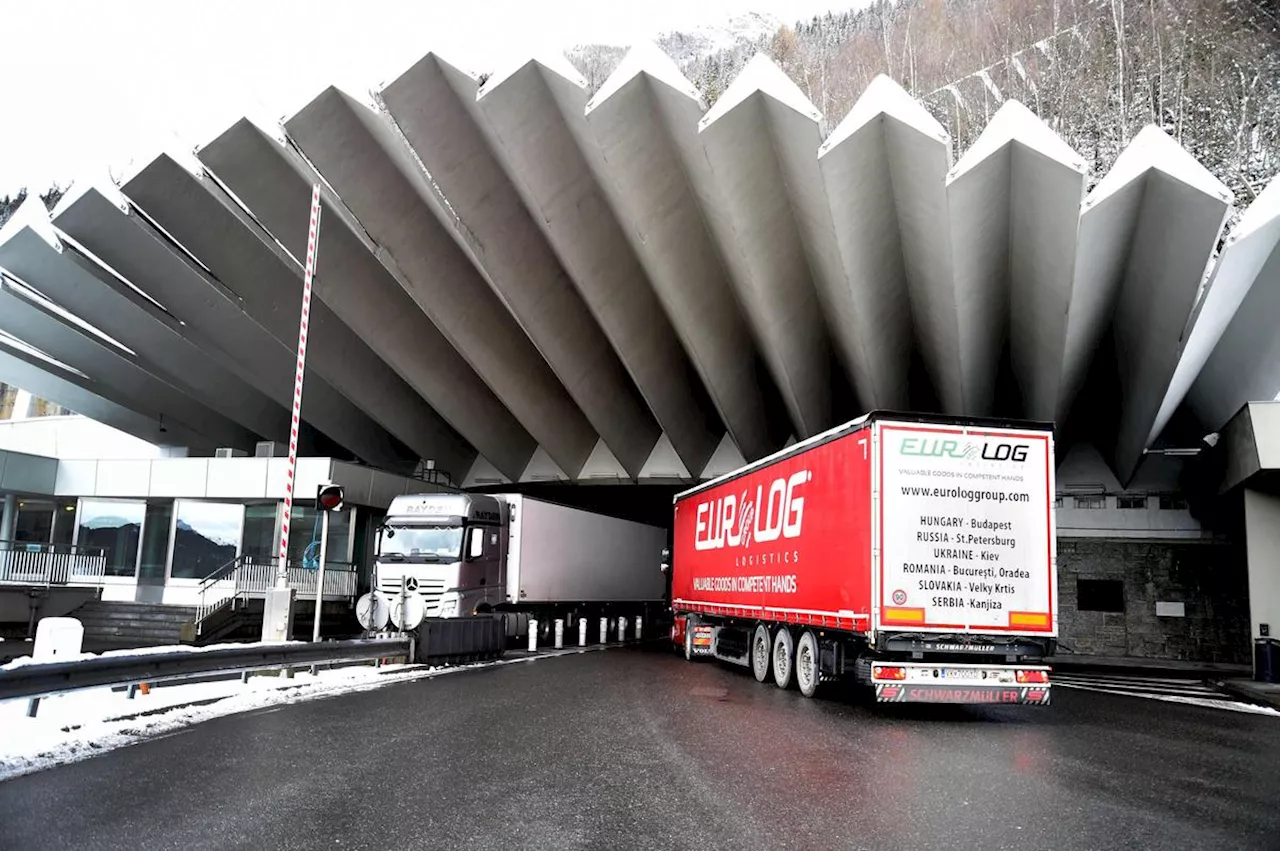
[
  {"x": 1033, "y": 676},
  {"x": 889, "y": 673}
]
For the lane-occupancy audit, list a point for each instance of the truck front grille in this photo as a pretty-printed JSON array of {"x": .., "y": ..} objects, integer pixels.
[{"x": 430, "y": 590}]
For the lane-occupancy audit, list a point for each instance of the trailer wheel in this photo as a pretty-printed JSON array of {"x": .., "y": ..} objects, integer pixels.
[
  {"x": 784, "y": 657},
  {"x": 760, "y": 647},
  {"x": 807, "y": 674}
]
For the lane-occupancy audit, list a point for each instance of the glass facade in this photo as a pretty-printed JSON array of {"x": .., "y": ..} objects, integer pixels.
[
  {"x": 34, "y": 523},
  {"x": 64, "y": 523},
  {"x": 206, "y": 536},
  {"x": 115, "y": 526},
  {"x": 304, "y": 536},
  {"x": 261, "y": 521},
  {"x": 155, "y": 542}
]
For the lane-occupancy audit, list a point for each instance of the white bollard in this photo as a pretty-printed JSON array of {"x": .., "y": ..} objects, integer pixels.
[
  {"x": 622, "y": 629},
  {"x": 604, "y": 630},
  {"x": 582, "y": 632},
  {"x": 559, "y": 633},
  {"x": 533, "y": 635},
  {"x": 639, "y": 626}
]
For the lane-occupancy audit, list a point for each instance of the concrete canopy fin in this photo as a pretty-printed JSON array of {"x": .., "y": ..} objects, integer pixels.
[
  {"x": 602, "y": 466},
  {"x": 753, "y": 219},
  {"x": 376, "y": 299},
  {"x": 76, "y": 392},
  {"x": 1108, "y": 224},
  {"x": 646, "y": 59},
  {"x": 854, "y": 260},
  {"x": 1145, "y": 243},
  {"x": 643, "y": 132},
  {"x": 434, "y": 105},
  {"x": 379, "y": 181},
  {"x": 1251, "y": 244},
  {"x": 483, "y": 474},
  {"x": 268, "y": 282},
  {"x": 1244, "y": 365},
  {"x": 542, "y": 468},
  {"x": 1153, "y": 148},
  {"x": 890, "y": 153},
  {"x": 114, "y": 373},
  {"x": 884, "y": 97},
  {"x": 664, "y": 463},
  {"x": 724, "y": 460},
  {"x": 159, "y": 342},
  {"x": 102, "y": 185},
  {"x": 761, "y": 75},
  {"x": 212, "y": 315},
  {"x": 515, "y": 63},
  {"x": 1014, "y": 199},
  {"x": 31, "y": 215},
  {"x": 1014, "y": 122},
  {"x": 552, "y": 158}
]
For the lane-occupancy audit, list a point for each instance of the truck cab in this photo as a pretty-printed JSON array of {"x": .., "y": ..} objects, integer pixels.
[{"x": 449, "y": 549}]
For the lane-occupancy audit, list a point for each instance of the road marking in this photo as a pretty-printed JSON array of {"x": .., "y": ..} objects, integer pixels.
[{"x": 1190, "y": 692}]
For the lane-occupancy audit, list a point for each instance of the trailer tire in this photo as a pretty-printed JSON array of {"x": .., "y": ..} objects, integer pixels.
[
  {"x": 784, "y": 658},
  {"x": 808, "y": 673},
  {"x": 761, "y": 649}
]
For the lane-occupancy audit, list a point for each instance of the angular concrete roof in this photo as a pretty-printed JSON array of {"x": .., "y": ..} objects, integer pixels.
[
  {"x": 523, "y": 284},
  {"x": 214, "y": 319}
]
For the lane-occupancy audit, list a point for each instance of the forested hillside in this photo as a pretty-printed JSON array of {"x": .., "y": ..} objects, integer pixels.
[{"x": 1207, "y": 71}]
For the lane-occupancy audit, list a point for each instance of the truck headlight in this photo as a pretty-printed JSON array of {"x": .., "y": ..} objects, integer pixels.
[{"x": 449, "y": 606}]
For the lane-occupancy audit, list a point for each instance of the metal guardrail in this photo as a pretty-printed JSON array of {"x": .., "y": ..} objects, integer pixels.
[
  {"x": 51, "y": 564},
  {"x": 40, "y": 679}
]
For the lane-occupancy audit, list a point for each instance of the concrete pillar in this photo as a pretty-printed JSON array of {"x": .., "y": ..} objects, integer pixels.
[
  {"x": 1262, "y": 542},
  {"x": 9, "y": 517}
]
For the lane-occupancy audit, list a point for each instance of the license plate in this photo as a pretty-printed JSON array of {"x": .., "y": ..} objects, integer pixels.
[{"x": 960, "y": 674}]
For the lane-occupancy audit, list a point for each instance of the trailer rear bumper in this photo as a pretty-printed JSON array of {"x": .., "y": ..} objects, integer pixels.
[
  {"x": 912, "y": 693},
  {"x": 915, "y": 682}
]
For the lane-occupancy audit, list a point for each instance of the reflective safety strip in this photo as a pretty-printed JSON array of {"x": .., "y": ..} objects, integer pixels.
[
  {"x": 892, "y": 615},
  {"x": 1028, "y": 619}
]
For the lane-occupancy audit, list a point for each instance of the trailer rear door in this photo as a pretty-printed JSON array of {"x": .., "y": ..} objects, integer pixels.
[{"x": 964, "y": 530}]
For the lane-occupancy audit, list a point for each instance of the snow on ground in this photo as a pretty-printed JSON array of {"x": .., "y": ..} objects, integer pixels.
[
  {"x": 143, "y": 651},
  {"x": 81, "y": 724}
]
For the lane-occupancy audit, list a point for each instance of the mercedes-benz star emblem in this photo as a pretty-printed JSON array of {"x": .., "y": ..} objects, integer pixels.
[{"x": 411, "y": 584}]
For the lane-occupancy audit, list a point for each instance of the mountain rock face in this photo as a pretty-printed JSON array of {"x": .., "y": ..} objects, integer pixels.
[{"x": 1097, "y": 71}]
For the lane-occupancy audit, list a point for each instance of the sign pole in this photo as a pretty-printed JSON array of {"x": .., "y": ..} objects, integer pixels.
[
  {"x": 313, "y": 235},
  {"x": 324, "y": 544}
]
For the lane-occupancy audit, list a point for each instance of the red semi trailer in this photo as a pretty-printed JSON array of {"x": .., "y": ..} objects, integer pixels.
[{"x": 914, "y": 554}]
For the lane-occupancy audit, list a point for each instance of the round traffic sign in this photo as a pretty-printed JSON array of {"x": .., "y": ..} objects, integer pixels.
[
  {"x": 372, "y": 611},
  {"x": 411, "y": 614}
]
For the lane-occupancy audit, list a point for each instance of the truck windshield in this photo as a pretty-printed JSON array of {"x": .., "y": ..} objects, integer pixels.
[{"x": 439, "y": 543}]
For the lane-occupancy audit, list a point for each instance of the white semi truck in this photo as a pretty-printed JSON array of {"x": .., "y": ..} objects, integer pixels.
[{"x": 466, "y": 554}]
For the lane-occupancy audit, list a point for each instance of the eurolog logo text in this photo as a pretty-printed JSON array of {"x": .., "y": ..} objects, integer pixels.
[
  {"x": 939, "y": 448},
  {"x": 735, "y": 521}
]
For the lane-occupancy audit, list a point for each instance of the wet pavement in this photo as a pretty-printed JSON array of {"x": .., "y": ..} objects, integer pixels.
[{"x": 636, "y": 748}]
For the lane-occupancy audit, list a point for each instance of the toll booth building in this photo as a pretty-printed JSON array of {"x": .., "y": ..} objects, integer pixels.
[{"x": 164, "y": 550}]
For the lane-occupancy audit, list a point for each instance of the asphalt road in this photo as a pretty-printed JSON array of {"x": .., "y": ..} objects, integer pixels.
[{"x": 638, "y": 749}]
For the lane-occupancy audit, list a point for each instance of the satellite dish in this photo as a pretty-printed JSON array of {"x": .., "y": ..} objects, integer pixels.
[
  {"x": 408, "y": 615},
  {"x": 372, "y": 611}
]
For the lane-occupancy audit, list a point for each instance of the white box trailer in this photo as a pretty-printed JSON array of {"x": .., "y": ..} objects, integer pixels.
[
  {"x": 465, "y": 554},
  {"x": 558, "y": 553}
]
